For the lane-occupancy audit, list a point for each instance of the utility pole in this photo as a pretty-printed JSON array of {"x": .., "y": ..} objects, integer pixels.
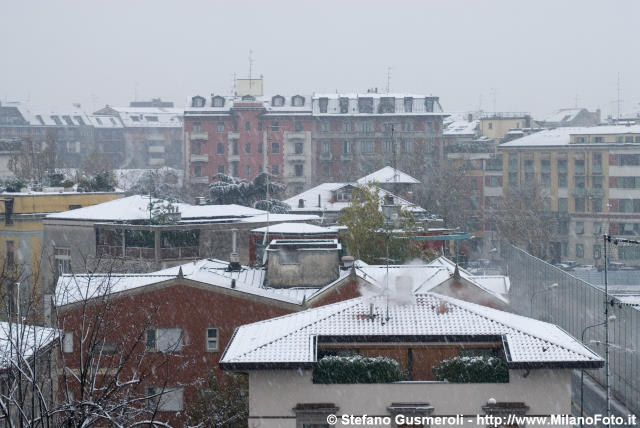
[{"x": 607, "y": 240}]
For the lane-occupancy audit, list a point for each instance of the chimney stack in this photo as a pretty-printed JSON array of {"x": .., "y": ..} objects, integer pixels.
[
  {"x": 300, "y": 203},
  {"x": 234, "y": 258}
]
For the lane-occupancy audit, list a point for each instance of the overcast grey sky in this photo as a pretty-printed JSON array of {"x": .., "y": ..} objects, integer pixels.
[{"x": 537, "y": 55}]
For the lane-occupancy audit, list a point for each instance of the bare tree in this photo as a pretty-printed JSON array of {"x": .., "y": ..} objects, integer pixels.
[
  {"x": 34, "y": 159},
  {"x": 92, "y": 369}
]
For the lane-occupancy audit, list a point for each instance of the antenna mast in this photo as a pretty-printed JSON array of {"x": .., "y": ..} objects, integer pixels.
[
  {"x": 388, "y": 79},
  {"x": 618, "y": 101},
  {"x": 250, "y": 67}
]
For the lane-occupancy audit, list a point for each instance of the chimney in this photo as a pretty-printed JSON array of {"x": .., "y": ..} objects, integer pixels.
[
  {"x": 347, "y": 262},
  {"x": 300, "y": 203},
  {"x": 233, "y": 283},
  {"x": 200, "y": 200},
  {"x": 319, "y": 200},
  {"x": 234, "y": 258}
]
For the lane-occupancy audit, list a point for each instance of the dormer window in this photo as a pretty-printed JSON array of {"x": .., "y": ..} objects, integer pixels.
[
  {"x": 197, "y": 101},
  {"x": 365, "y": 105},
  {"x": 323, "y": 103},
  {"x": 408, "y": 104},
  {"x": 217, "y": 101},
  {"x": 277, "y": 101},
  {"x": 297, "y": 101},
  {"x": 344, "y": 105},
  {"x": 387, "y": 105}
]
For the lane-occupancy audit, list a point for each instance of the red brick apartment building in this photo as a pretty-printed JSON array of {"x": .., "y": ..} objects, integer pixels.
[{"x": 310, "y": 139}]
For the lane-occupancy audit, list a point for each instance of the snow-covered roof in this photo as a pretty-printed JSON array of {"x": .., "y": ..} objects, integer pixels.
[
  {"x": 607, "y": 130},
  {"x": 328, "y": 204},
  {"x": 552, "y": 137},
  {"x": 418, "y": 104},
  {"x": 563, "y": 115},
  {"x": 136, "y": 207},
  {"x": 74, "y": 288},
  {"x": 388, "y": 175},
  {"x": 462, "y": 127},
  {"x": 291, "y": 340},
  {"x": 23, "y": 340},
  {"x": 287, "y": 107},
  {"x": 295, "y": 228},
  {"x": 150, "y": 117},
  {"x": 37, "y": 115},
  {"x": 426, "y": 277}
]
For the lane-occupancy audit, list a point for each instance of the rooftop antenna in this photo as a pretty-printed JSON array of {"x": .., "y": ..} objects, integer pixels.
[
  {"x": 250, "y": 66},
  {"x": 388, "y": 79},
  {"x": 618, "y": 100},
  {"x": 234, "y": 90},
  {"x": 493, "y": 94}
]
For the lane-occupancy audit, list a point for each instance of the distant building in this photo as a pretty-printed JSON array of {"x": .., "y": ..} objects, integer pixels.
[
  {"x": 495, "y": 126},
  {"x": 592, "y": 180},
  {"x": 155, "y": 102},
  {"x": 571, "y": 117},
  {"x": 309, "y": 139},
  {"x": 148, "y": 136}
]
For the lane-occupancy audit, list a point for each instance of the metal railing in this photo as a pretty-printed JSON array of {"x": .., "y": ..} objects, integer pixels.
[{"x": 573, "y": 305}]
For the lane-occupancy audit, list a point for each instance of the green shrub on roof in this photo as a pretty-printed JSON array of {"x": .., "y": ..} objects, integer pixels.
[
  {"x": 357, "y": 369},
  {"x": 472, "y": 370}
]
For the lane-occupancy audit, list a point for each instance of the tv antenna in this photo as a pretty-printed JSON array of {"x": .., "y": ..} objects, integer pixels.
[
  {"x": 388, "y": 79},
  {"x": 618, "y": 100},
  {"x": 250, "y": 66}
]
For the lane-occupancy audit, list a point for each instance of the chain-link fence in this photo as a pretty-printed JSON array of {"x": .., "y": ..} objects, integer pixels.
[{"x": 548, "y": 293}]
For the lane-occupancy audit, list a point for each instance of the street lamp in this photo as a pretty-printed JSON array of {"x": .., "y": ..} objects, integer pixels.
[
  {"x": 611, "y": 318},
  {"x": 544, "y": 290}
]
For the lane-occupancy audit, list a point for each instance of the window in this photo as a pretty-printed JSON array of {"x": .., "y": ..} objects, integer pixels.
[
  {"x": 513, "y": 179},
  {"x": 297, "y": 101},
  {"x": 275, "y": 126},
  {"x": 597, "y": 251},
  {"x": 388, "y": 146},
  {"x": 366, "y": 146},
  {"x": 220, "y": 149},
  {"x": 220, "y": 127},
  {"x": 579, "y": 251},
  {"x": 579, "y": 228},
  {"x": 365, "y": 126},
  {"x": 408, "y": 126},
  {"x": 164, "y": 340},
  {"x": 579, "y": 166},
  {"x": 212, "y": 339},
  {"x": 579, "y": 181},
  {"x": 275, "y": 147},
  {"x": 234, "y": 169},
  {"x": 346, "y": 126},
  {"x": 247, "y": 126},
  {"x": 579, "y": 205},
  {"x": 260, "y": 148},
  {"x": 277, "y": 101},
  {"x": 625, "y": 205},
  {"x": 217, "y": 101},
  {"x": 494, "y": 181},
  {"x": 365, "y": 105},
  {"x": 314, "y": 415},
  {"x": 220, "y": 169},
  {"x": 62, "y": 256},
  {"x": 490, "y": 125},
  {"x": 298, "y": 126},
  {"x": 298, "y": 170},
  {"x": 275, "y": 170},
  {"x": 326, "y": 147},
  {"x": 344, "y": 105},
  {"x": 323, "y": 104},
  {"x": 165, "y": 399},
  {"x": 260, "y": 126},
  {"x": 247, "y": 148},
  {"x": 346, "y": 147},
  {"x": 597, "y": 228},
  {"x": 235, "y": 125},
  {"x": 596, "y": 182},
  {"x": 408, "y": 104},
  {"x": 67, "y": 342},
  {"x": 247, "y": 171},
  {"x": 324, "y": 126},
  {"x": 408, "y": 146},
  {"x": 234, "y": 148},
  {"x": 563, "y": 204},
  {"x": 197, "y": 170},
  {"x": 596, "y": 205},
  {"x": 298, "y": 148}
]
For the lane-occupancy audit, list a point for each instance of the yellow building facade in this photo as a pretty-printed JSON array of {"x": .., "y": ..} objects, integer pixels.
[{"x": 21, "y": 232}]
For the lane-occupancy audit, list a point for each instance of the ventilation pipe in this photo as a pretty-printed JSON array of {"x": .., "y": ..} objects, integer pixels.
[{"x": 234, "y": 258}]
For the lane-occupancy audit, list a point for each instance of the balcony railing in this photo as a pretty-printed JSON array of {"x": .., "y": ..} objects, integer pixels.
[
  {"x": 196, "y": 136},
  {"x": 200, "y": 158},
  {"x": 346, "y": 157},
  {"x": 326, "y": 156},
  {"x": 200, "y": 180}
]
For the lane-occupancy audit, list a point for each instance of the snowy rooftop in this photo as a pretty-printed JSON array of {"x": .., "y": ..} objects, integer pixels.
[
  {"x": 608, "y": 129},
  {"x": 388, "y": 175},
  {"x": 553, "y": 137},
  {"x": 291, "y": 340},
  {"x": 136, "y": 207},
  {"x": 327, "y": 203},
  {"x": 27, "y": 339},
  {"x": 563, "y": 115},
  {"x": 51, "y": 116},
  {"x": 417, "y": 102},
  {"x": 426, "y": 277},
  {"x": 75, "y": 288},
  {"x": 295, "y": 228},
  {"x": 462, "y": 128}
]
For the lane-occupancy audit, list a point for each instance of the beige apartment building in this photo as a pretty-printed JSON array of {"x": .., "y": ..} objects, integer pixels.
[{"x": 591, "y": 179}]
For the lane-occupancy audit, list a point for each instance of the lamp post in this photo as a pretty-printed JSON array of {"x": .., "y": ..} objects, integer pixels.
[
  {"x": 612, "y": 318},
  {"x": 544, "y": 290}
]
